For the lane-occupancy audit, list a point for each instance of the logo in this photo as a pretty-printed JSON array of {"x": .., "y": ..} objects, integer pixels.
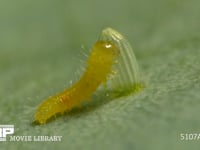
[{"x": 5, "y": 130}]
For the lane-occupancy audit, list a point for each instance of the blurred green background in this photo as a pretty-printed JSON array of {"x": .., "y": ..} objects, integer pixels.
[{"x": 42, "y": 43}]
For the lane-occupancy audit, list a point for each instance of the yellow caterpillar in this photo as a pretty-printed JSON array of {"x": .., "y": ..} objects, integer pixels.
[{"x": 99, "y": 66}]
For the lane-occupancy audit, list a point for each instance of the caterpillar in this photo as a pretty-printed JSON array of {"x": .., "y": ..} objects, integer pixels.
[
  {"x": 111, "y": 53},
  {"x": 98, "y": 67}
]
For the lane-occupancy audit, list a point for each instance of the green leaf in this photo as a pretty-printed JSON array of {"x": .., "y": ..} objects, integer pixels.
[{"x": 40, "y": 51}]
